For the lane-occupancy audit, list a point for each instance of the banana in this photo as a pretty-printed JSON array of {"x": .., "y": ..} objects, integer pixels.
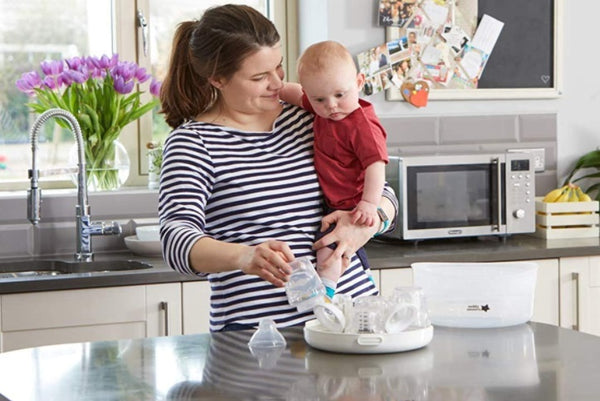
[
  {"x": 582, "y": 196},
  {"x": 573, "y": 197},
  {"x": 564, "y": 197},
  {"x": 553, "y": 195}
]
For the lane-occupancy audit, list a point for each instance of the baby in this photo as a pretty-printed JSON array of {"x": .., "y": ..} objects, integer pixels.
[{"x": 349, "y": 145}]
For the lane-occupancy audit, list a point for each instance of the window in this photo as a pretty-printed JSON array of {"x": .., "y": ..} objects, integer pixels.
[
  {"x": 34, "y": 30},
  {"x": 31, "y": 31}
]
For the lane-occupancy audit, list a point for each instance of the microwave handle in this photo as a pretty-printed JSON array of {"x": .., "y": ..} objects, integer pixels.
[{"x": 497, "y": 193}]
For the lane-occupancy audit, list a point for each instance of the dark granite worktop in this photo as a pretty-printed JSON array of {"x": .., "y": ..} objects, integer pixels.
[
  {"x": 381, "y": 254},
  {"x": 392, "y": 253}
]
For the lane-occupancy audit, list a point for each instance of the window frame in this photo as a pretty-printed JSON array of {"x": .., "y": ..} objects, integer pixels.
[
  {"x": 127, "y": 42},
  {"x": 140, "y": 133}
]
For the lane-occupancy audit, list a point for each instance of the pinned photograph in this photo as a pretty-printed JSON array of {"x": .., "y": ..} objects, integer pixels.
[
  {"x": 397, "y": 45},
  {"x": 372, "y": 85},
  {"x": 372, "y": 63},
  {"x": 401, "y": 71},
  {"x": 440, "y": 73},
  {"x": 456, "y": 38},
  {"x": 385, "y": 77},
  {"x": 412, "y": 41},
  {"x": 473, "y": 62},
  {"x": 396, "y": 12}
]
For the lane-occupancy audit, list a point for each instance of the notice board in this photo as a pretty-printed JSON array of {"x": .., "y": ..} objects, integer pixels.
[{"x": 525, "y": 62}]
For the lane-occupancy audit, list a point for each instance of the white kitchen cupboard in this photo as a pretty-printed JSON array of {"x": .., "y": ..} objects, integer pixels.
[
  {"x": 546, "y": 299},
  {"x": 392, "y": 278},
  {"x": 55, "y": 317},
  {"x": 195, "y": 297},
  {"x": 580, "y": 293}
]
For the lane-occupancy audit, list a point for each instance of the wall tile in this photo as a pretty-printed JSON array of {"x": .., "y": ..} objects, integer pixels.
[
  {"x": 410, "y": 131},
  {"x": 15, "y": 240},
  {"x": 478, "y": 129},
  {"x": 537, "y": 127}
]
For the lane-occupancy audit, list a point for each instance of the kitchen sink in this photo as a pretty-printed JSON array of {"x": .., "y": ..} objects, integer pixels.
[{"x": 52, "y": 267}]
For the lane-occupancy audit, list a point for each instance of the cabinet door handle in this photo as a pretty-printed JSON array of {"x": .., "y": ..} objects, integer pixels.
[
  {"x": 164, "y": 306},
  {"x": 575, "y": 278}
]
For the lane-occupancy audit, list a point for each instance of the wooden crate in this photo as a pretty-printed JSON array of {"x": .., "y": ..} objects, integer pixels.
[{"x": 566, "y": 219}]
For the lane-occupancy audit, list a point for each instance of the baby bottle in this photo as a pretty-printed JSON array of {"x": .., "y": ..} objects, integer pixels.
[{"x": 304, "y": 288}]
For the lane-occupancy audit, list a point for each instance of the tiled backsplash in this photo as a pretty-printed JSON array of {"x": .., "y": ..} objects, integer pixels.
[
  {"x": 406, "y": 136},
  {"x": 55, "y": 234},
  {"x": 477, "y": 134}
]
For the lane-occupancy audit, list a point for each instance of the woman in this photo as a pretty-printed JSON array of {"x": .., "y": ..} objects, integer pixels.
[{"x": 239, "y": 197}]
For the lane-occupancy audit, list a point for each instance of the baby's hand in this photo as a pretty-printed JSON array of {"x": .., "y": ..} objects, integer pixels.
[
  {"x": 365, "y": 213},
  {"x": 332, "y": 273}
]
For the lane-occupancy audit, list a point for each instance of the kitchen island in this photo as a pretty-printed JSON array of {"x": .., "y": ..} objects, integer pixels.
[{"x": 531, "y": 361}]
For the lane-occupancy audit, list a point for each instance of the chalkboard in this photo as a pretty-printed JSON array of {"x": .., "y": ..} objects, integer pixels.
[
  {"x": 525, "y": 60},
  {"x": 524, "y": 53}
]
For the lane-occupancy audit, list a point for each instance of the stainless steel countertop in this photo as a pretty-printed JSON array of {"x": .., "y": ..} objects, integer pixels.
[
  {"x": 382, "y": 255},
  {"x": 532, "y": 361}
]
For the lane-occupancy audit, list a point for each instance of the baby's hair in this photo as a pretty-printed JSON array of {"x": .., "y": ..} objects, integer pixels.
[{"x": 321, "y": 55}]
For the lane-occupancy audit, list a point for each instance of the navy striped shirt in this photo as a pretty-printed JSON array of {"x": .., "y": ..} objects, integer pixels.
[{"x": 245, "y": 187}]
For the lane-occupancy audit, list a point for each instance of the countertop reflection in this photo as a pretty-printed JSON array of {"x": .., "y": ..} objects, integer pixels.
[{"x": 527, "y": 362}]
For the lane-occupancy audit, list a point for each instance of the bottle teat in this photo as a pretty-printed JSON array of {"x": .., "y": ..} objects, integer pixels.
[
  {"x": 267, "y": 336},
  {"x": 267, "y": 344}
]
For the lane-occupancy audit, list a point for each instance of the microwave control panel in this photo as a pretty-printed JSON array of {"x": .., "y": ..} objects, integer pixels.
[{"x": 520, "y": 193}]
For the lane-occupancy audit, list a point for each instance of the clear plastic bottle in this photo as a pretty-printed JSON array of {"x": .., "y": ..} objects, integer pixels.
[{"x": 304, "y": 288}]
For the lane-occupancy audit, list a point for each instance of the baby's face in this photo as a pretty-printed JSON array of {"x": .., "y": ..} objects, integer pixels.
[{"x": 333, "y": 91}]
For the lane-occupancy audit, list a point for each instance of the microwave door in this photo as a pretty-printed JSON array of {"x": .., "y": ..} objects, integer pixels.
[{"x": 452, "y": 200}]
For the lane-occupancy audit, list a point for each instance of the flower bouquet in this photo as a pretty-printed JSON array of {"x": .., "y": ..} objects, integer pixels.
[{"x": 101, "y": 93}]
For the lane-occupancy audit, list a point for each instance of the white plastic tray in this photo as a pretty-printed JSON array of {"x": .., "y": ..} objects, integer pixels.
[{"x": 318, "y": 337}]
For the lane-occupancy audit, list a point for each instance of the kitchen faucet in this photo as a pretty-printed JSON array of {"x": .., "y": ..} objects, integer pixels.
[{"x": 85, "y": 228}]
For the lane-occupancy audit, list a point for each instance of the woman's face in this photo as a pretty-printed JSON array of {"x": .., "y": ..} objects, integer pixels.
[{"x": 254, "y": 88}]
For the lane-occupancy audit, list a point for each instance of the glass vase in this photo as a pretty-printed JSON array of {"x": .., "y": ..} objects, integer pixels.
[{"x": 107, "y": 166}]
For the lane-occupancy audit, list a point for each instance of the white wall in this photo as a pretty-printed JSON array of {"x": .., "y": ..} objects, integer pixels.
[{"x": 353, "y": 23}]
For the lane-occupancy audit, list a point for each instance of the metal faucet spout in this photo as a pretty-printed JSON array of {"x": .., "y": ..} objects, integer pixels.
[{"x": 85, "y": 228}]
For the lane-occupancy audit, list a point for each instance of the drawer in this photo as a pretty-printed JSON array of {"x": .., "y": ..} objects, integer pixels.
[{"x": 73, "y": 308}]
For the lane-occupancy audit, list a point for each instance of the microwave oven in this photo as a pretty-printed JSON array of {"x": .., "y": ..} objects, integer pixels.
[{"x": 444, "y": 196}]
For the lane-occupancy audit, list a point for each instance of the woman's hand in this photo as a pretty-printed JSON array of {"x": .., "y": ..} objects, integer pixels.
[
  {"x": 348, "y": 236},
  {"x": 269, "y": 261}
]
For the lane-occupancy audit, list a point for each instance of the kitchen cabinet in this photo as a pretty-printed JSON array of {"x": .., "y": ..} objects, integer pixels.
[
  {"x": 546, "y": 299},
  {"x": 580, "y": 293},
  {"x": 195, "y": 297},
  {"x": 54, "y": 317}
]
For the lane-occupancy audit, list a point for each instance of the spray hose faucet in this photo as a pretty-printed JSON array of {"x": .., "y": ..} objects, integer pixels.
[{"x": 85, "y": 228}]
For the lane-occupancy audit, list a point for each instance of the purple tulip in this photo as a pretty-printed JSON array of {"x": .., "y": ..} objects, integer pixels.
[
  {"x": 51, "y": 82},
  {"x": 64, "y": 79},
  {"x": 155, "y": 87},
  {"x": 121, "y": 86},
  {"x": 28, "y": 82},
  {"x": 114, "y": 60},
  {"x": 141, "y": 75},
  {"x": 75, "y": 63},
  {"x": 76, "y": 76},
  {"x": 125, "y": 69},
  {"x": 52, "y": 67}
]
